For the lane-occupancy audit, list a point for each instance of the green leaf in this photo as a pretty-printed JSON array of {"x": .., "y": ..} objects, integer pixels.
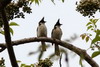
[
  {"x": 83, "y": 36},
  {"x": 18, "y": 61},
  {"x": 40, "y": 55},
  {"x": 96, "y": 53},
  {"x": 80, "y": 62},
  {"x": 27, "y": 66},
  {"x": 91, "y": 20},
  {"x": 13, "y": 24},
  {"x": 94, "y": 21},
  {"x": 2, "y": 32},
  {"x": 11, "y": 31},
  {"x": 89, "y": 27},
  {"x": 88, "y": 23},
  {"x": 90, "y": 34},
  {"x": 37, "y": 2},
  {"x": 97, "y": 37},
  {"x": 23, "y": 65},
  {"x": 32, "y": 65},
  {"x": 52, "y": 1},
  {"x": 87, "y": 38},
  {"x": 63, "y": 1},
  {"x": 32, "y": 0}
]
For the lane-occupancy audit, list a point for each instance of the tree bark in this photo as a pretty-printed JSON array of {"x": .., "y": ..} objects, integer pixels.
[
  {"x": 8, "y": 40},
  {"x": 79, "y": 51}
]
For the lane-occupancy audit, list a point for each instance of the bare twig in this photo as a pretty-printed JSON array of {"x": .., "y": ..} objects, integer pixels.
[
  {"x": 60, "y": 60},
  {"x": 2, "y": 47},
  {"x": 69, "y": 46}
]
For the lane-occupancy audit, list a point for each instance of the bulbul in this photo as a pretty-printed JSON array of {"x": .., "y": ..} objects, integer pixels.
[
  {"x": 42, "y": 32},
  {"x": 57, "y": 34}
]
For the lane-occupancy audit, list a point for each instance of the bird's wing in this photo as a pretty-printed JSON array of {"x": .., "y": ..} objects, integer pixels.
[{"x": 37, "y": 31}]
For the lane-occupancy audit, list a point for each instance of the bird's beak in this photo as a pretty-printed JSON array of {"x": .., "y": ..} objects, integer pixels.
[
  {"x": 60, "y": 24},
  {"x": 44, "y": 21}
]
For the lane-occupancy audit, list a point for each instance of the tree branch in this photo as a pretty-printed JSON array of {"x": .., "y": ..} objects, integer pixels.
[
  {"x": 3, "y": 4},
  {"x": 80, "y": 52}
]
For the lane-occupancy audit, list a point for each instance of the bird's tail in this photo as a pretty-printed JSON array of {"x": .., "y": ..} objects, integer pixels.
[
  {"x": 52, "y": 43},
  {"x": 57, "y": 52},
  {"x": 43, "y": 46}
]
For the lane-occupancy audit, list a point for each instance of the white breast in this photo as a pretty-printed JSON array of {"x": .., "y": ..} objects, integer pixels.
[
  {"x": 42, "y": 31},
  {"x": 57, "y": 33}
]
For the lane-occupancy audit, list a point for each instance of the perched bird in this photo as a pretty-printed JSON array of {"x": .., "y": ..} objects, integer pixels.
[
  {"x": 42, "y": 32},
  {"x": 57, "y": 34}
]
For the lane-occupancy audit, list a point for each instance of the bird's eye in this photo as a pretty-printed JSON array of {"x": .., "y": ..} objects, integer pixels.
[
  {"x": 56, "y": 26},
  {"x": 39, "y": 23}
]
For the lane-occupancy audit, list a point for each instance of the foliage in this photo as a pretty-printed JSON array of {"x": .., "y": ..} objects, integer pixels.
[
  {"x": 85, "y": 7},
  {"x": 97, "y": 37},
  {"x": 25, "y": 65},
  {"x": 96, "y": 53},
  {"x": 16, "y": 10},
  {"x": 42, "y": 63},
  {"x": 2, "y": 64},
  {"x": 95, "y": 42},
  {"x": 88, "y": 7},
  {"x": 85, "y": 36},
  {"x": 54, "y": 2},
  {"x": 11, "y": 30}
]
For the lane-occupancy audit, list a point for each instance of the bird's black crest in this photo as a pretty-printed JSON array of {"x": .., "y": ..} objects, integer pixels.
[
  {"x": 58, "y": 23},
  {"x": 42, "y": 20}
]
